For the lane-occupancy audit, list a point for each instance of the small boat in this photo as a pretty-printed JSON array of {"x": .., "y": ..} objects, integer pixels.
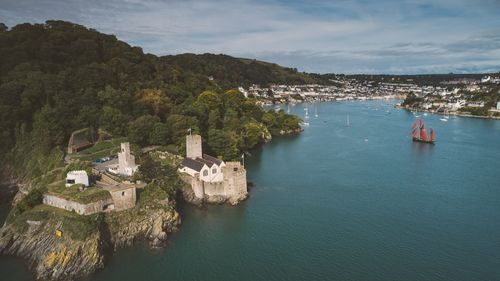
[
  {"x": 348, "y": 123},
  {"x": 307, "y": 113},
  {"x": 304, "y": 124},
  {"x": 419, "y": 134},
  {"x": 316, "y": 112}
]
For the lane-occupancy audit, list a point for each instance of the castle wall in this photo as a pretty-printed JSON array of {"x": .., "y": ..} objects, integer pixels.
[
  {"x": 123, "y": 198},
  {"x": 195, "y": 184},
  {"x": 214, "y": 188},
  {"x": 82, "y": 209},
  {"x": 193, "y": 146}
]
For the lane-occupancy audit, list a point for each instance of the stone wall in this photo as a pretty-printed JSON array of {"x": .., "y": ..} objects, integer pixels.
[
  {"x": 82, "y": 209},
  {"x": 124, "y": 198}
]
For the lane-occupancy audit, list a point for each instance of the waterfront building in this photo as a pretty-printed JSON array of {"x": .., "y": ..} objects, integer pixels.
[{"x": 210, "y": 177}]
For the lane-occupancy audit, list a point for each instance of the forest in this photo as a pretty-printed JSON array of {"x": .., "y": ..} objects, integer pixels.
[{"x": 59, "y": 77}]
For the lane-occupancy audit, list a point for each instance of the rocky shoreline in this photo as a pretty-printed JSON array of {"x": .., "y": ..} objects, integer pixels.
[
  {"x": 456, "y": 113},
  {"x": 65, "y": 257}
]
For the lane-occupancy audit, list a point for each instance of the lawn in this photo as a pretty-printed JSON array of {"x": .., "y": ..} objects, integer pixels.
[
  {"x": 89, "y": 194},
  {"x": 99, "y": 150}
]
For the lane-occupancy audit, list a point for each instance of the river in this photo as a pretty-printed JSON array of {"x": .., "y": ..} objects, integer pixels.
[{"x": 358, "y": 202}]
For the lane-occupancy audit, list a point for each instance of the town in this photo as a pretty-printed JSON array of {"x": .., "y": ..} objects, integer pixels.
[{"x": 464, "y": 95}]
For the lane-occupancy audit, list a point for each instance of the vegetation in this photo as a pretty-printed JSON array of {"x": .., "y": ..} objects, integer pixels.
[
  {"x": 73, "y": 193},
  {"x": 59, "y": 77}
]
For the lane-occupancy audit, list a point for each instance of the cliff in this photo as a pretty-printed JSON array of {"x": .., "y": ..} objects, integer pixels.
[{"x": 85, "y": 241}]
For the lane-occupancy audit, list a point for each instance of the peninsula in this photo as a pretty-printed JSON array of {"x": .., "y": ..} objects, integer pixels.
[{"x": 94, "y": 136}]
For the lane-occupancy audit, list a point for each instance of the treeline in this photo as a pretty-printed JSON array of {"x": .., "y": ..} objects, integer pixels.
[{"x": 58, "y": 77}]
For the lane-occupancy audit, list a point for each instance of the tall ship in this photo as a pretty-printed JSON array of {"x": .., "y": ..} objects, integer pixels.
[{"x": 419, "y": 134}]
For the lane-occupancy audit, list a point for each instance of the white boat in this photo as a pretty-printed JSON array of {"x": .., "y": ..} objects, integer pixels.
[
  {"x": 304, "y": 124},
  {"x": 348, "y": 123},
  {"x": 316, "y": 112},
  {"x": 307, "y": 113}
]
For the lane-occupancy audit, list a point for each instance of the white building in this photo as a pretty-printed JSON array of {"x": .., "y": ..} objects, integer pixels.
[
  {"x": 498, "y": 105},
  {"x": 77, "y": 177}
]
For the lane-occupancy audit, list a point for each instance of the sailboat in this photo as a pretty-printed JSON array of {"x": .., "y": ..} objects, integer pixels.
[
  {"x": 445, "y": 117},
  {"x": 316, "y": 112},
  {"x": 348, "y": 124},
  {"x": 307, "y": 113},
  {"x": 419, "y": 134}
]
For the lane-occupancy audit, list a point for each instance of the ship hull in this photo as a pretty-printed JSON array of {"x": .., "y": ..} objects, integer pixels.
[{"x": 423, "y": 141}]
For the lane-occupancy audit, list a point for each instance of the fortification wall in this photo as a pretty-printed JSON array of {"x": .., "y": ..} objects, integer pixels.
[
  {"x": 82, "y": 209},
  {"x": 195, "y": 184},
  {"x": 124, "y": 198},
  {"x": 214, "y": 189}
]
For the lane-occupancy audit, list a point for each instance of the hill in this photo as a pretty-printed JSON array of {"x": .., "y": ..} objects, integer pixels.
[{"x": 59, "y": 77}]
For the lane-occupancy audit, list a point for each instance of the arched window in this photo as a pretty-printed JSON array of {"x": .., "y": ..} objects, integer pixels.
[
  {"x": 214, "y": 171},
  {"x": 205, "y": 173}
]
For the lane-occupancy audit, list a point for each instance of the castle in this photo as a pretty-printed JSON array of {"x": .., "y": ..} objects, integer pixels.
[{"x": 212, "y": 179}]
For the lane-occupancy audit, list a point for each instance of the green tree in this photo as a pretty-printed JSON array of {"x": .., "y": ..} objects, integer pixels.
[{"x": 140, "y": 129}]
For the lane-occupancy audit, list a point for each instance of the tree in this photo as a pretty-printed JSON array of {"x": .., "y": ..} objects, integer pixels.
[
  {"x": 113, "y": 121},
  {"x": 160, "y": 134},
  {"x": 140, "y": 129}
]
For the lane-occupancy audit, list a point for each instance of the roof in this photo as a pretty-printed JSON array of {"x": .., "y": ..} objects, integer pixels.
[
  {"x": 192, "y": 164},
  {"x": 212, "y": 159},
  {"x": 208, "y": 162}
]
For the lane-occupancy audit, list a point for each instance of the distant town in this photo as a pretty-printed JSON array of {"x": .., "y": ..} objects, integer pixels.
[{"x": 458, "y": 96}]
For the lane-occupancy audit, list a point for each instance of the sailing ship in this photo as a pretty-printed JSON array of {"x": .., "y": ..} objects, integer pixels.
[{"x": 419, "y": 134}]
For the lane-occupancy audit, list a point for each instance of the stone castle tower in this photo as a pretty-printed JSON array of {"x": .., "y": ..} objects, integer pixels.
[
  {"x": 193, "y": 146},
  {"x": 126, "y": 161},
  {"x": 235, "y": 181}
]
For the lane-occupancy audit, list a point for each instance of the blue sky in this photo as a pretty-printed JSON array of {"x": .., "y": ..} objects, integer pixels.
[{"x": 338, "y": 36}]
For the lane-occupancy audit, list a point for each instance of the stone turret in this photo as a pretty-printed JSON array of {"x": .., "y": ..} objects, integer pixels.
[
  {"x": 235, "y": 182},
  {"x": 126, "y": 161},
  {"x": 193, "y": 146}
]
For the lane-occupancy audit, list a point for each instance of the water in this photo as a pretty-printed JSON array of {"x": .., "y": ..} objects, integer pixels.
[{"x": 347, "y": 203}]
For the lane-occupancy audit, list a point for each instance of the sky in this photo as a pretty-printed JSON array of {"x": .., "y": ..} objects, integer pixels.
[{"x": 337, "y": 36}]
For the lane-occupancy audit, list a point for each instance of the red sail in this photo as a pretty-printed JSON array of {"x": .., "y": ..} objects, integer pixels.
[
  {"x": 433, "y": 136},
  {"x": 414, "y": 125},
  {"x": 423, "y": 133},
  {"x": 415, "y": 134}
]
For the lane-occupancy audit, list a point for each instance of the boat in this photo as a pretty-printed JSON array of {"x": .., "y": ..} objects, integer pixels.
[
  {"x": 316, "y": 112},
  {"x": 419, "y": 134},
  {"x": 348, "y": 123},
  {"x": 445, "y": 117},
  {"x": 307, "y": 113}
]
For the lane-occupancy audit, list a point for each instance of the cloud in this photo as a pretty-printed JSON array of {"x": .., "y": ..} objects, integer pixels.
[{"x": 342, "y": 36}]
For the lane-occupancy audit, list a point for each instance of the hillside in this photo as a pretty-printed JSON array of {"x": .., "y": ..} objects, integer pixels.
[
  {"x": 232, "y": 72},
  {"x": 59, "y": 77}
]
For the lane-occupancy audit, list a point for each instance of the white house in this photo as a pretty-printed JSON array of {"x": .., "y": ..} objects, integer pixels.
[
  {"x": 77, "y": 177},
  {"x": 206, "y": 168},
  {"x": 476, "y": 104}
]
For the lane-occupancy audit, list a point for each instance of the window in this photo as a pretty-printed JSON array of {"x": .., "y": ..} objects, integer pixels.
[
  {"x": 70, "y": 181},
  {"x": 235, "y": 169},
  {"x": 205, "y": 173},
  {"x": 123, "y": 193},
  {"x": 214, "y": 171}
]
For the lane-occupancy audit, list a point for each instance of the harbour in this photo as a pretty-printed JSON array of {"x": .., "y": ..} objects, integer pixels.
[{"x": 347, "y": 202}]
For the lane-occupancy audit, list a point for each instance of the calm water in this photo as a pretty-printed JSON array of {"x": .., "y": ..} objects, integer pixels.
[{"x": 347, "y": 203}]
